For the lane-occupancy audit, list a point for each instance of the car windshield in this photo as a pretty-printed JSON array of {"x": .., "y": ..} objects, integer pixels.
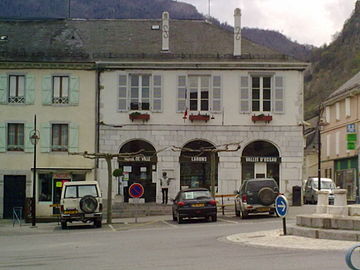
[
  {"x": 80, "y": 191},
  {"x": 196, "y": 194},
  {"x": 258, "y": 184},
  {"x": 324, "y": 184}
]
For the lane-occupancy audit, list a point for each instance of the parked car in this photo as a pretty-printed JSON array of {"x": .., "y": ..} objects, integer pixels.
[
  {"x": 194, "y": 202},
  {"x": 311, "y": 188},
  {"x": 256, "y": 196},
  {"x": 81, "y": 201}
]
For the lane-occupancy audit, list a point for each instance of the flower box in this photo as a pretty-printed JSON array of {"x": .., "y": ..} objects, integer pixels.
[
  {"x": 261, "y": 118},
  {"x": 199, "y": 117},
  {"x": 139, "y": 116}
]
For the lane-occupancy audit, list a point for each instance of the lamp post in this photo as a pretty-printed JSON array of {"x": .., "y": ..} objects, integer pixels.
[{"x": 34, "y": 139}]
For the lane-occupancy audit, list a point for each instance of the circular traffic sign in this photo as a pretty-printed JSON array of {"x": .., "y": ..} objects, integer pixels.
[
  {"x": 281, "y": 205},
  {"x": 136, "y": 190}
]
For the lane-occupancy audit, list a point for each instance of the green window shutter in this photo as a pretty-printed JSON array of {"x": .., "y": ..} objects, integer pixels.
[
  {"x": 29, "y": 147},
  {"x": 216, "y": 94},
  {"x": 74, "y": 138},
  {"x": 245, "y": 96},
  {"x": 278, "y": 94},
  {"x": 3, "y": 88},
  {"x": 181, "y": 94},
  {"x": 29, "y": 89},
  {"x": 74, "y": 90},
  {"x": 47, "y": 90},
  {"x": 2, "y": 137},
  {"x": 157, "y": 94},
  {"x": 123, "y": 102},
  {"x": 45, "y": 135}
]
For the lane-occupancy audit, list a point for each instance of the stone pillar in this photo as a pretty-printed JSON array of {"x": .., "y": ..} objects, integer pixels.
[
  {"x": 340, "y": 203},
  {"x": 322, "y": 202}
]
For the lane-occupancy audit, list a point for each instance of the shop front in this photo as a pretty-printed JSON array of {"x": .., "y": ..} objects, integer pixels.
[
  {"x": 346, "y": 176},
  {"x": 138, "y": 169},
  {"x": 195, "y": 165},
  {"x": 260, "y": 159},
  {"x": 49, "y": 185}
]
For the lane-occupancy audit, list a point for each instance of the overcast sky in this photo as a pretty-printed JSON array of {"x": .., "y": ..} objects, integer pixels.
[{"x": 305, "y": 21}]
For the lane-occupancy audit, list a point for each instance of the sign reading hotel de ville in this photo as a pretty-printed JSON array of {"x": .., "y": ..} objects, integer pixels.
[{"x": 261, "y": 159}]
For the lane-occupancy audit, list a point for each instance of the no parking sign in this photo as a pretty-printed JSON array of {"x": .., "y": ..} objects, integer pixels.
[{"x": 136, "y": 190}]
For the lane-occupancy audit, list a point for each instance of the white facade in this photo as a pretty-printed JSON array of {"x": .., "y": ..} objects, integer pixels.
[{"x": 166, "y": 126}]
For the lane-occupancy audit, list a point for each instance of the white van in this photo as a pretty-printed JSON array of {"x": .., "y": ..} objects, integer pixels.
[
  {"x": 81, "y": 201},
  {"x": 311, "y": 188}
]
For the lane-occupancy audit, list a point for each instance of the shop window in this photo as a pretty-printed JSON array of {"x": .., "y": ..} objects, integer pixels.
[{"x": 45, "y": 187}]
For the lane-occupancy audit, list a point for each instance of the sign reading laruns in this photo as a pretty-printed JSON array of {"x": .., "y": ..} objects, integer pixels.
[
  {"x": 261, "y": 159},
  {"x": 194, "y": 159}
]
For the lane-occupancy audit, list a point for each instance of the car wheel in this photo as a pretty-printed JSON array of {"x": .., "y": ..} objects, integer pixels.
[
  {"x": 214, "y": 218},
  {"x": 179, "y": 219},
  {"x": 174, "y": 217},
  {"x": 266, "y": 196},
  {"x": 98, "y": 223},
  {"x": 88, "y": 204},
  {"x": 237, "y": 212},
  {"x": 63, "y": 225},
  {"x": 243, "y": 214}
]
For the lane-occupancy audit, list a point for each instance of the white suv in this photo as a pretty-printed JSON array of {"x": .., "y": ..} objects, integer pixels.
[{"x": 81, "y": 201}]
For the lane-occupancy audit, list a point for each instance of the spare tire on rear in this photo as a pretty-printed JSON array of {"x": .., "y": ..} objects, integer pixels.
[
  {"x": 88, "y": 204},
  {"x": 266, "y": 196}
]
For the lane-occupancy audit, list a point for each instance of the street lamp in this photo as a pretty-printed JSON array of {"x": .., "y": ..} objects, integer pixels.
[{"x": 34, "y": 139}]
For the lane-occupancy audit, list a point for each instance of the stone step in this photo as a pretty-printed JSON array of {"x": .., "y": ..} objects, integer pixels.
[
  {"x": 325, "y": 221},
  {"x": 317, "y": 233}
]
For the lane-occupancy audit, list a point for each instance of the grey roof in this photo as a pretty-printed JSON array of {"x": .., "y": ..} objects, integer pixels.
[
  {"x": 99, "y": 40},
  {"x": 350, "y": 85}
]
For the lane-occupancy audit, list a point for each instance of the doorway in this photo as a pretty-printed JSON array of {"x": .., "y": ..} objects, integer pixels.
[{"x": 14, "y": 193}]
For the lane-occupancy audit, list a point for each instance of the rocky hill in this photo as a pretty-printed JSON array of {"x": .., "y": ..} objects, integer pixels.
[{"x": 333, "y": 65}]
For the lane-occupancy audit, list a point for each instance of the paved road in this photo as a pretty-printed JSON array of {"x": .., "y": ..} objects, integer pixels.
[{"x": 155, "y": 243}]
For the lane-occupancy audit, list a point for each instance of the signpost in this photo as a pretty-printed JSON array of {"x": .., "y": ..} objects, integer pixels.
[
  {"x": 136, "y": 191},
  {"x": 281, "y": 208}
]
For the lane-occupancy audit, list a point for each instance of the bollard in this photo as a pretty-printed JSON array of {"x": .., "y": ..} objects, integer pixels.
[
  {"x": 322, "y": 202},
  {"x": 340, "y": 204}
]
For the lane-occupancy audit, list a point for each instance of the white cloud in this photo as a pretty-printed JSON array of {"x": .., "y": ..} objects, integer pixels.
[{"x": 306, "y": 21}]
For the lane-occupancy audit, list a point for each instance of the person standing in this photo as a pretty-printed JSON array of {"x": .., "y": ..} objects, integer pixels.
[{"x": 165, "y": 183}]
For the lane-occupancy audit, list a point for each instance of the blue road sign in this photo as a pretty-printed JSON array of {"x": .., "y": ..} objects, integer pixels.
[{"x": 281, "y": 205}]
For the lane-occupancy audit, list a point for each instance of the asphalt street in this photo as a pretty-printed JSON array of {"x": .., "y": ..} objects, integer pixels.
[{"x": 160, "y": 243}]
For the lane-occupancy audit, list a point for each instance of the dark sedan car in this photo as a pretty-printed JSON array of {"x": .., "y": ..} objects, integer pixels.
[{"x": 194, "y": 202}]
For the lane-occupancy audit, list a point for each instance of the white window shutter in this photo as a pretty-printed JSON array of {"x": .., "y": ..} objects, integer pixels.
[
  {"x": 3, "y": 88},
  {"x": 47, "y": 90},
  {"x": 2, "y": 137},
  {"x": 74, "y": 90},
  {"x": 278, "y": 95},
  {"x": 45, "y": 137},
  {"x": 29, "y": 89},
  {"x": 181, "y": 93},
  {"x": 157, "y": 93},
  {"x": 347, "y": 107},
  {"x": 73, "y": 137},
  {"x": 245, "y": 96},
  {"x": 123, "y": 103},
  {"x": 216, "y": 94},
  {"x": 29, "y": 147}
]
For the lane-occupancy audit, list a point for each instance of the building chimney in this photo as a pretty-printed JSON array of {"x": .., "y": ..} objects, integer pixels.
[
  {"x": 237, "y": 32},
  {"x": 165, "y": 31}
]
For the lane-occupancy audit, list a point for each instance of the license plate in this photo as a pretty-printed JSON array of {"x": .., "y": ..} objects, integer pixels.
[
  {"x": 71, "y": 212},
  {"x": 198, "y": 205},
  {"x": 263, "y": 209}
]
